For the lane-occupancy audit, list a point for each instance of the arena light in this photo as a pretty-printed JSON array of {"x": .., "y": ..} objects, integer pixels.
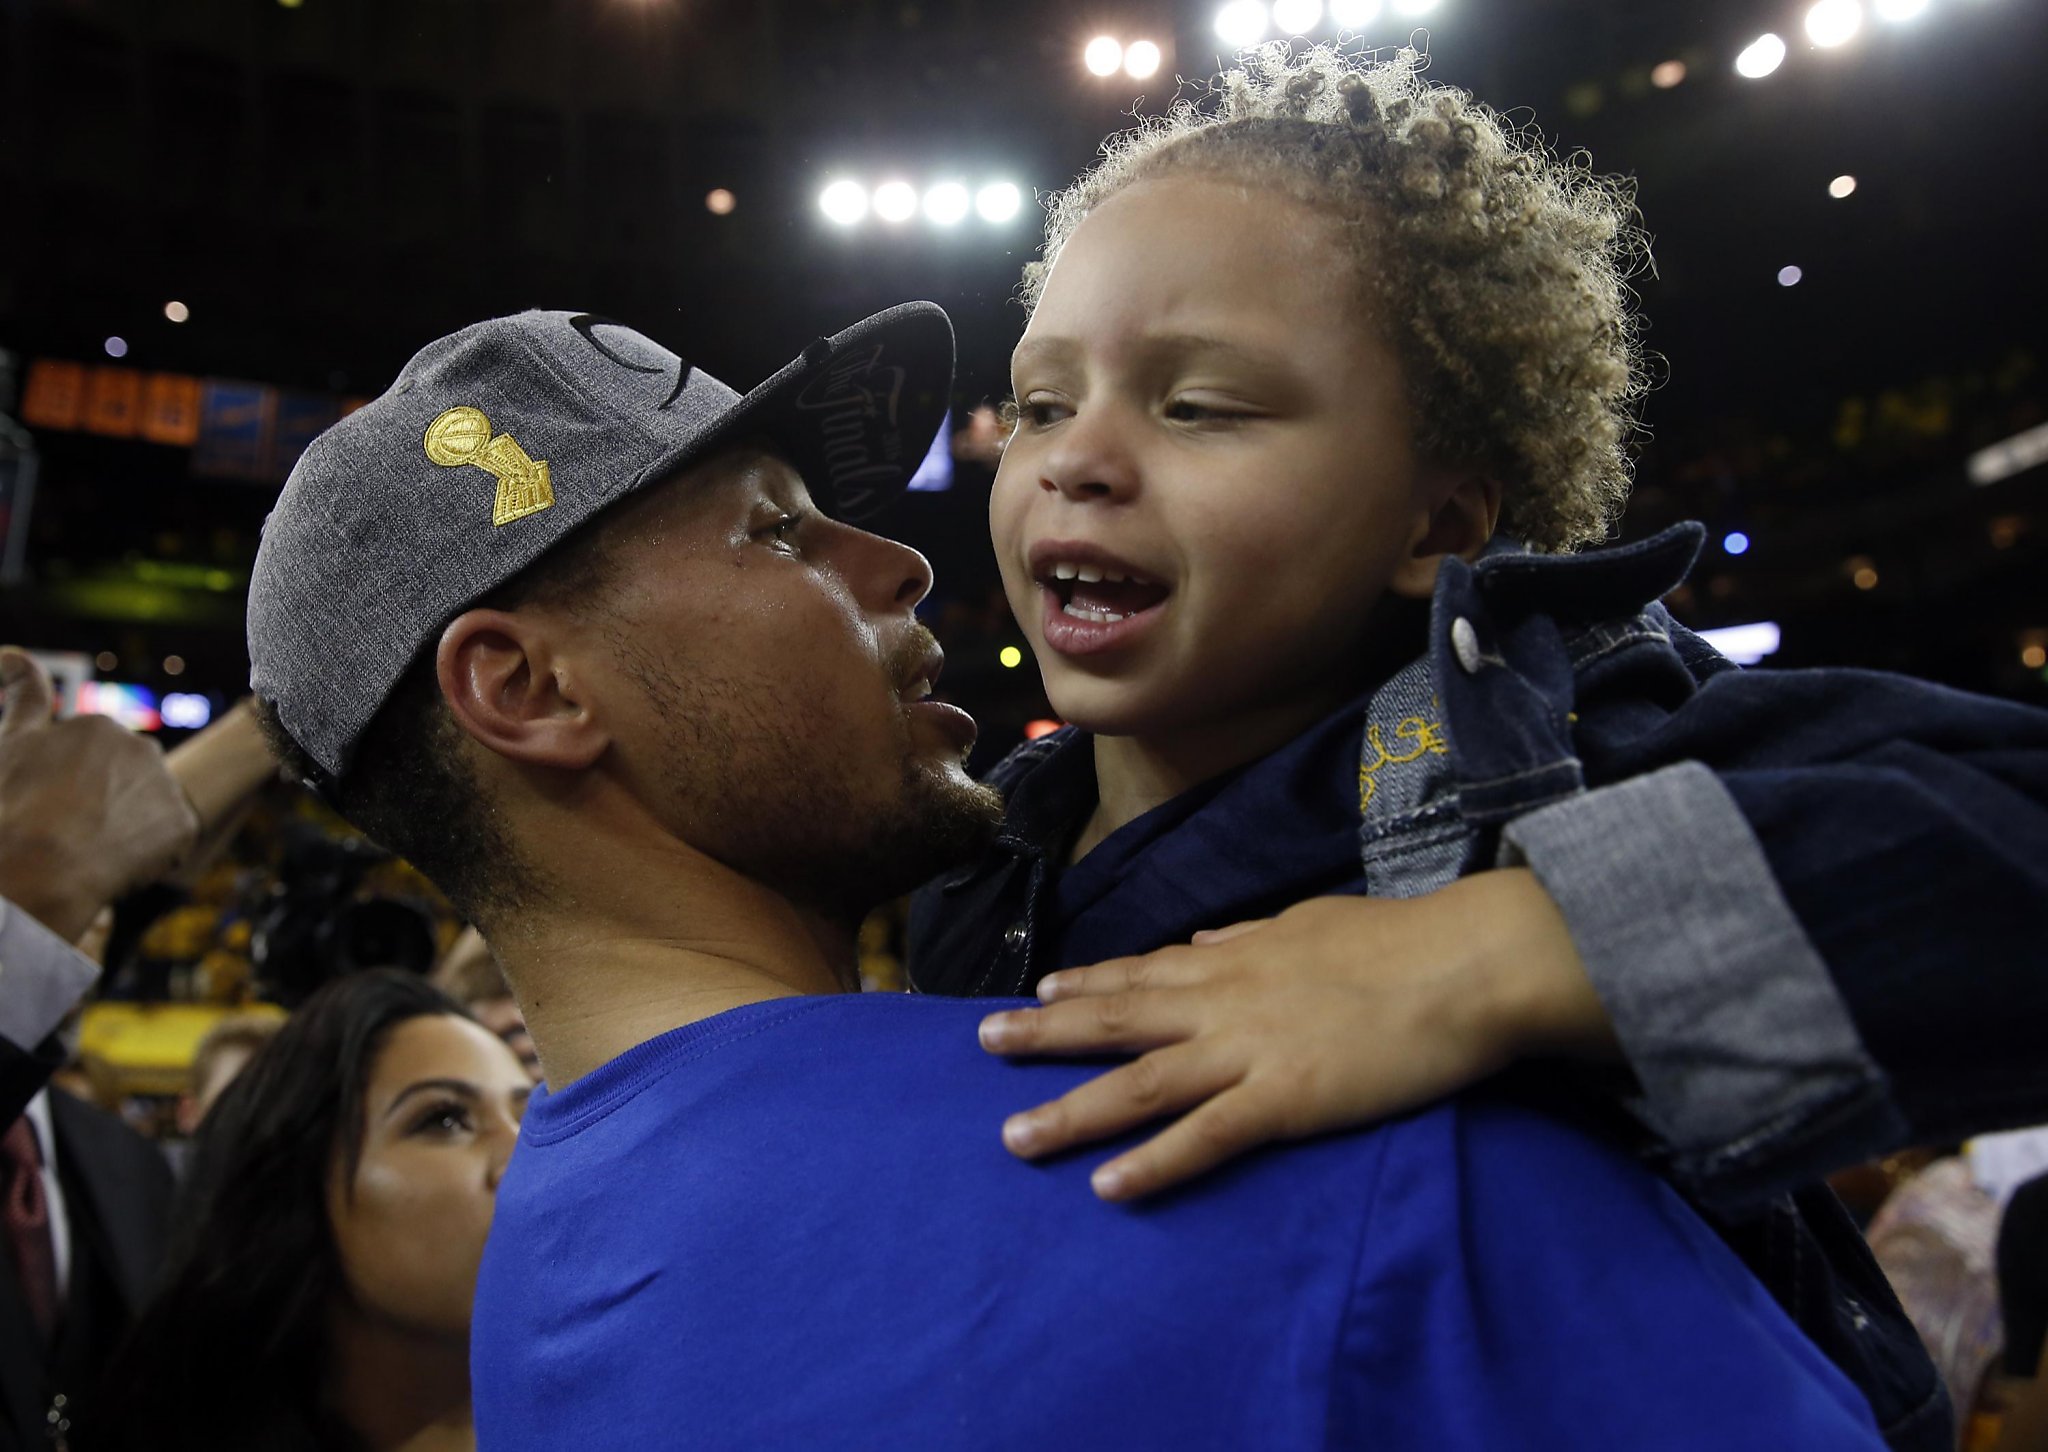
[
  {"x": 1760, "y": 57},
  {"x": 1789, "y": 276},
  {"x": 1897, "y": 12},
  {"x": 1141, "y": 60},
  {"x": 1353, "y": 14},
  {"x": 1830, "y": 23},
  {"x": 176, "y": 311},
  {"x": 998, "y": 201},
  {"x": 1297, "y": 17},
  {"x": 1666, "y": 74},
  {"x": 844, "y": 202},
  {"x": 186, "y": 711},
  {"x": 946, "y": 204},
  {"x": 2009, "y": 456},
  {"x": 1241, "y": 23},
  {"x": 1841, "y": 186},
  {"x": 1104, "y": 56},
  {"x": 895, "y": 201},
  {"x": 1745, "y": 644}
]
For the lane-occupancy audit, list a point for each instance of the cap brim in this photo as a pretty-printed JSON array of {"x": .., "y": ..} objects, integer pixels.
[{"x": 856, "y": 412}]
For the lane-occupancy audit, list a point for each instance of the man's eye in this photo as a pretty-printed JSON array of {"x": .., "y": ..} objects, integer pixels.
[{"x": 783, "y": 532}]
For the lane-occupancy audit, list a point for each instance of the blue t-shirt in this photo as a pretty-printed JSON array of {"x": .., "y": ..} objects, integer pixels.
[{"x": 793, "y": 1226}]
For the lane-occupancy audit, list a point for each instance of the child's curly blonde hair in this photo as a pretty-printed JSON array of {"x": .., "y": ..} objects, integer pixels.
[{"x": 1498, "y": 269}]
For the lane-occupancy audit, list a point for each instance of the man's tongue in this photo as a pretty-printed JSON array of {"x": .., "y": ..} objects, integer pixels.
[{"x": 1111, "y": 598}]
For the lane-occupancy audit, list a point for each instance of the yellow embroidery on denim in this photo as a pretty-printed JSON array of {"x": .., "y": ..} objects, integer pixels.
[
  {"x": 1424, "y": 736},
  {"x": 463, "y": 436}
]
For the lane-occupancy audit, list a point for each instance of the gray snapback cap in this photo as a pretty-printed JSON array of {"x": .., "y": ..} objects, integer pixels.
[{"x": 496, "y": 442}]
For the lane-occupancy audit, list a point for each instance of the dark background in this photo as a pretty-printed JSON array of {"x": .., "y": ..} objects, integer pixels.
[{"x": 331, "y": 184}]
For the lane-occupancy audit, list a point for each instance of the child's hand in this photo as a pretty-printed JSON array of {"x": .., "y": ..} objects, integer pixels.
[{"x": 1337, "y": 1013}]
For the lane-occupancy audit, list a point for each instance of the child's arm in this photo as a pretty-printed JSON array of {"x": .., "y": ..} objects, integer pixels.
[
  {"x": 1339, "y": 1012},
  {"x": 1806, "y": 961}
]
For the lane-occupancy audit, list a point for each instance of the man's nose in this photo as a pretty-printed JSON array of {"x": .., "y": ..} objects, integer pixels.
[{"x": 894, "y": 576}]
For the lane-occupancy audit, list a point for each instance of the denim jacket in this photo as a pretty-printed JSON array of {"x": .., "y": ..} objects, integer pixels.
[{"x": 1809, "y": 900}]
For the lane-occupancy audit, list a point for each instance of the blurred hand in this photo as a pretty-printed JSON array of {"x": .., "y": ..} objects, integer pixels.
[
  {"x": 88, "y": 810},
  {"x": 1337, "y": 1013}
]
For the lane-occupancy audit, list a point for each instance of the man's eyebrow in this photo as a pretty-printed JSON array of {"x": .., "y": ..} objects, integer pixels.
[{"x": 461, "y": 1088}]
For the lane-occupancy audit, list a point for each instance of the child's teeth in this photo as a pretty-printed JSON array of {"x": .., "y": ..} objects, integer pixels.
[
  {"x": 1089, "y": 574},
  {"x": 1112, "y": 577},
  {"x": 1092, "y": 612},
  {"x": 1063, "y": 572}
]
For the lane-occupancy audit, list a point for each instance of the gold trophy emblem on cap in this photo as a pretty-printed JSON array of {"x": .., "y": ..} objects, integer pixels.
[{"x": 463, "y": 436}]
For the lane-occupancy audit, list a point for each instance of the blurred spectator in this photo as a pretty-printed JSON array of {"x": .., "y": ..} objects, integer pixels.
[
  {"x": 2023, "y": 1296},
  {"x": 225, "y": 1051},
  {"x": 469, "y": 974},
  {"x": 1936, "y": 1238},
  {"x": 325, "y": 1251}
]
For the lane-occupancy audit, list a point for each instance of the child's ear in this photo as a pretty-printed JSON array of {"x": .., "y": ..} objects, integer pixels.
[
  {"x": 513, "y": 691},
  {"x": 1463, "y": 509}
]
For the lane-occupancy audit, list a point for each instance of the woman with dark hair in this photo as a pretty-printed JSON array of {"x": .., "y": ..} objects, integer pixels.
[{"x": 324, "y": 1254}]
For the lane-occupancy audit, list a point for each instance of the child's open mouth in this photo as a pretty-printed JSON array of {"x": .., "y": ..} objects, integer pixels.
[{"x": 1093, "y": 601}]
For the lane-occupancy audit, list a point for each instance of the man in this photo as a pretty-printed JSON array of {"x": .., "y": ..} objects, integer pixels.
[
  {"x": 88, "y": 811},
  {"x": 594, "y": 640}
]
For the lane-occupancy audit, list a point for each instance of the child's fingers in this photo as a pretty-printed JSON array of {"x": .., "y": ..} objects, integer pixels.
[
  {"x": 1164, "y": 1081},
  {"x": 1210, "y": 937},
  {"x": 1215, "y": 1131},
  {"x": 1167, "y": 968},
  {"x": 1122, "y": 1023}
]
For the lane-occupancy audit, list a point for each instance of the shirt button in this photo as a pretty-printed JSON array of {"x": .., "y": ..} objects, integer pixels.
[
  {"x": 1465, "y": 645},
  {"x": 1013, "y": 938}
]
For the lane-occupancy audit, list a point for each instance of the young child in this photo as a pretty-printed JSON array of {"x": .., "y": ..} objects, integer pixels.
[{"x": 1318, "y": 395}]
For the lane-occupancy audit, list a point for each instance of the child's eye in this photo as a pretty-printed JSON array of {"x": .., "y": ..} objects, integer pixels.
[
  {"x": 448, "y": 1118},
  {"x": 1188, "y": 410},
  {"x": 1037, "y": 413}
]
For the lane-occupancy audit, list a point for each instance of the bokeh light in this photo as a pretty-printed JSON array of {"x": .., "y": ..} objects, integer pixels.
[
  {"x": 1141, "y": 60},
  {"x": 719, "y": 202},
  {"x": 1241, "y": 23},
  {"x": 1353, "y": 14},
  {"x": 1666, "y": 74},
  {"x": 1103, "y": 56},
  {"x": 998, "y": 201},
  {"x": 176, "y": 311},
  {"x": 1789, "y": 276},
  {"x": 1760, "y": 57},
  {"x": 844, "y": 202},
  {"x": 1830, "y": 23},
  {"x": 945, "y": 203},
  {"x": 1896, "y": 11},
  {"x": 895, "y": 201},
  {"x": 1841, "y": 186},
  {"x": 1010, "y": 656},
  {"x": 1735, "y": 542},
  {"x": 116, "y": 346},
  {"x": 1297, "y": 17}
]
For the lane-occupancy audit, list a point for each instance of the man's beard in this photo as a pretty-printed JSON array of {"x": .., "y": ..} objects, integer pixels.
[{"x": 776, "y": 807}]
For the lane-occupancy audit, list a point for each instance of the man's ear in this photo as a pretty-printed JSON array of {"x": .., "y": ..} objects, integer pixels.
[
  {"x": 511, "y": 691},
  {"x": 1463, "y": 509}
]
